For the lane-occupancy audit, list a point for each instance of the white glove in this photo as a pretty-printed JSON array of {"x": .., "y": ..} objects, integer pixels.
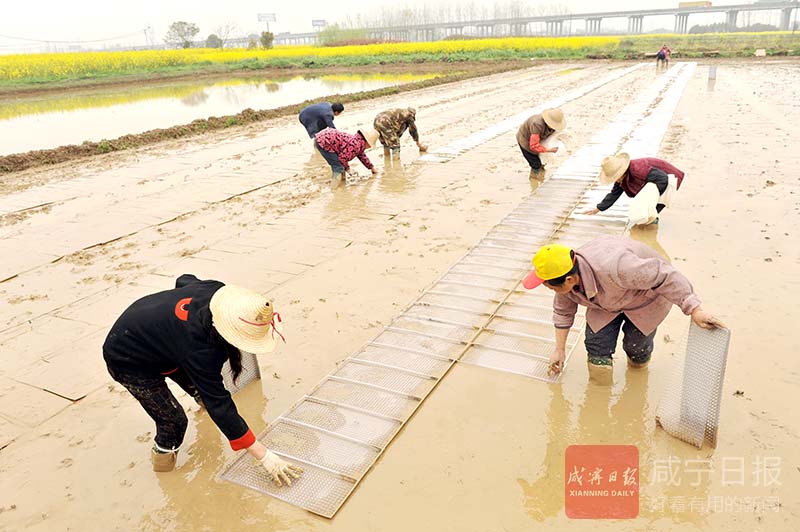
[{"x": 280, "y": 469}]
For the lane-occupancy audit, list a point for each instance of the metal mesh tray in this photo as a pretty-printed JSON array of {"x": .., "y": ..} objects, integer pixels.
[
  {"x": 365, "y": 398},
  {"x": 390, "y": 379},
  {"x": 310, "y": 446},
  {"x": 690, "y": 404},
  {"x": 428, "y": 363},
  {"x": 316, "y": 490},
  {"x": 367, "y": 428},
  {"x": 250, "y": 372}
]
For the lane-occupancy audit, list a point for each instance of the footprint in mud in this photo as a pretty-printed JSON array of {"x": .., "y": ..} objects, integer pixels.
[
  {"x": 125, "y": 266},
  {"x": 142, "y": 438},
  {"x": 22, "y": 299}
]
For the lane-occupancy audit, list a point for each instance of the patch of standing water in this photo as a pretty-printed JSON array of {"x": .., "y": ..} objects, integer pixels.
[{"x": 53, "y": 120}]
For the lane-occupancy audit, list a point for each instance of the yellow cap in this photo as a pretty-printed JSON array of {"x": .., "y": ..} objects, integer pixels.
[{"x": 550, "y": 262}]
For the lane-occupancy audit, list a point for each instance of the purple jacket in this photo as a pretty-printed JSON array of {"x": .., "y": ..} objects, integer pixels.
[
  {"x": 345, "y": 145},
  {"x": 622, "y": 275}
]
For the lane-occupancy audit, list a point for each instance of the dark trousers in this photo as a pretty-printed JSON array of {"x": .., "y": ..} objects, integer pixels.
[
  {"x": 532, "y": 158},
  {"x": 331, "y": 158},
  {"x": 159, "y": 403},
  {"x": 602, "y": 344}
]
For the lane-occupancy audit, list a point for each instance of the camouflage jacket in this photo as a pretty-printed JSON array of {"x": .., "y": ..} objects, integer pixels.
[{"x": 393, "y": 123}]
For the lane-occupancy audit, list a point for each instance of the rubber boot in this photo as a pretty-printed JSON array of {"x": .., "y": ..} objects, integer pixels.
[
  {"x": 640, "y": 363},
  {"x": 601, "y": 370},
  {"x": 538, "y": 175},
  {"x": 337, "y": 180},
  {"x": 163, "y": 462}
]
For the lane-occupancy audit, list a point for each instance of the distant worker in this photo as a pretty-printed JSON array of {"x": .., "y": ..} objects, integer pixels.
[
  {"x": 187, "y": 334},
  {"x": 533, "y": 132},
  {"x": 632, "y": 175},
  {"x": 625, "y": 285},
  {"x": 662, "y": 56},
  {"x": 319, "y": 116},
  {"x": 391, "y": 125},
  {"x": 339, "y": 148}
]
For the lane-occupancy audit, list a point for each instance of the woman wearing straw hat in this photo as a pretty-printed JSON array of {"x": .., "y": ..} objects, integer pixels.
[
  {"x": 632, "y": 175},
  {"x": 187, "y": 334},
  {"x": 339, "y": 148},
  {"x": 533, "y": 132}
]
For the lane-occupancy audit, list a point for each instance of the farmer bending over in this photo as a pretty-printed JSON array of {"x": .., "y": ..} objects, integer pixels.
[
  {"x": 319, "y": 116},
  {"x": 187, "y": 334},
  {"x": 533, "y": 132},
  {"x": 339, "y": 148},
  {"x": 631, "y": 175},
  {"x": 392, "y": 124},
  {"x": 625, "y": 285}
]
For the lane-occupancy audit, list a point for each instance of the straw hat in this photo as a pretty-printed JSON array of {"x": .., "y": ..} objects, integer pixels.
[
  {"x": 371, "y": 136},
  {"x": 554, "y": 118},
  {"x": 243, "y": 318},
  {"x": 614, "y": 167}
]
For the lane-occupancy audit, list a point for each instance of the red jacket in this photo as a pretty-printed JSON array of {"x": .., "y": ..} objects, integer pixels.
[
  {"x": 639, "y": 173},
  {"x": 345, "y": 145},
  {"x": 635, "y": 178}
]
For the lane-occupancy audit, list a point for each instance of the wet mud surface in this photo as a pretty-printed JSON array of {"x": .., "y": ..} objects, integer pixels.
[{"x": 253, "y": 206}]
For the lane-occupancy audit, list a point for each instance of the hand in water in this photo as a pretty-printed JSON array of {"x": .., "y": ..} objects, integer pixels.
[{"x": 556, "y": 362}]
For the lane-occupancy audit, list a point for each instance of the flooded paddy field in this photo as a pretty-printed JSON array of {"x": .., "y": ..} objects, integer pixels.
[
  {"x": 485, "y": 451},
  {"x": 36, "y": 122}
]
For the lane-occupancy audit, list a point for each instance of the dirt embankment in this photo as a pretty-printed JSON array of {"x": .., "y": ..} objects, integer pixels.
[{"x": 452, "y": 72}]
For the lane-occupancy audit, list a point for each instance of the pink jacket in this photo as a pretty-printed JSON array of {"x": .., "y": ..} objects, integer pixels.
[
  {"x": 345, "y": 145},
  {"x": 622, "y": 275}
]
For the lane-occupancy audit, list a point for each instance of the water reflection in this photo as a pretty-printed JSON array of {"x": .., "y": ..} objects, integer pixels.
[
  {"x": 648, "y": 234},
  {"x": 608, "y": 415},
  {"x": 74, "y": 117}
]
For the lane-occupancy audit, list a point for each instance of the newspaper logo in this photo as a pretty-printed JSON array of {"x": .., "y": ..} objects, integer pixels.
[{"x": 601, "y": 482}]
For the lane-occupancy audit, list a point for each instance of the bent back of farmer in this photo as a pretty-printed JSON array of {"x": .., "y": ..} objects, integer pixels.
[
  {"x": 319, "y": 116},
  {"x": 631, "y": 175},
  {"x": 187, "y": 334},
  {"x": 339, "y": 148},
  {"x": 391, "y": 125},
  {"x": 533, "y": 132}
]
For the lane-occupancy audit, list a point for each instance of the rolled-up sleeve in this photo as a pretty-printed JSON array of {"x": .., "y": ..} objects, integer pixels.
[
  {"x": 637, "y": 273},
  {"x": 564, "y": 310}
]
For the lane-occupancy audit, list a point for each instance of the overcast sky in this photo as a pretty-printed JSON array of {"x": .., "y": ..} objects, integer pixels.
[{"x": 83, "y": 20}]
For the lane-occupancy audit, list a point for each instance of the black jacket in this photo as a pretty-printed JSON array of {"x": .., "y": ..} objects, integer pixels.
[{"x": 171, "y": 329}]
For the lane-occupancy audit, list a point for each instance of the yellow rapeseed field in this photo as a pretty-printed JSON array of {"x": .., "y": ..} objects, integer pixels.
[
  {"x": 46, "y": 67},
  {"x": 90, "y": 64}
]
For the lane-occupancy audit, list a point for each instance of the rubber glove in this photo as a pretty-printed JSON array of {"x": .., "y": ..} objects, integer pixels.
[{"x": 280, "y": 469}]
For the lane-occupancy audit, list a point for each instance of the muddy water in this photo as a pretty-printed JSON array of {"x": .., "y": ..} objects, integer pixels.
[
  {"x": 486, "y": 450},
  {"x": 52, "y": 121}
]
